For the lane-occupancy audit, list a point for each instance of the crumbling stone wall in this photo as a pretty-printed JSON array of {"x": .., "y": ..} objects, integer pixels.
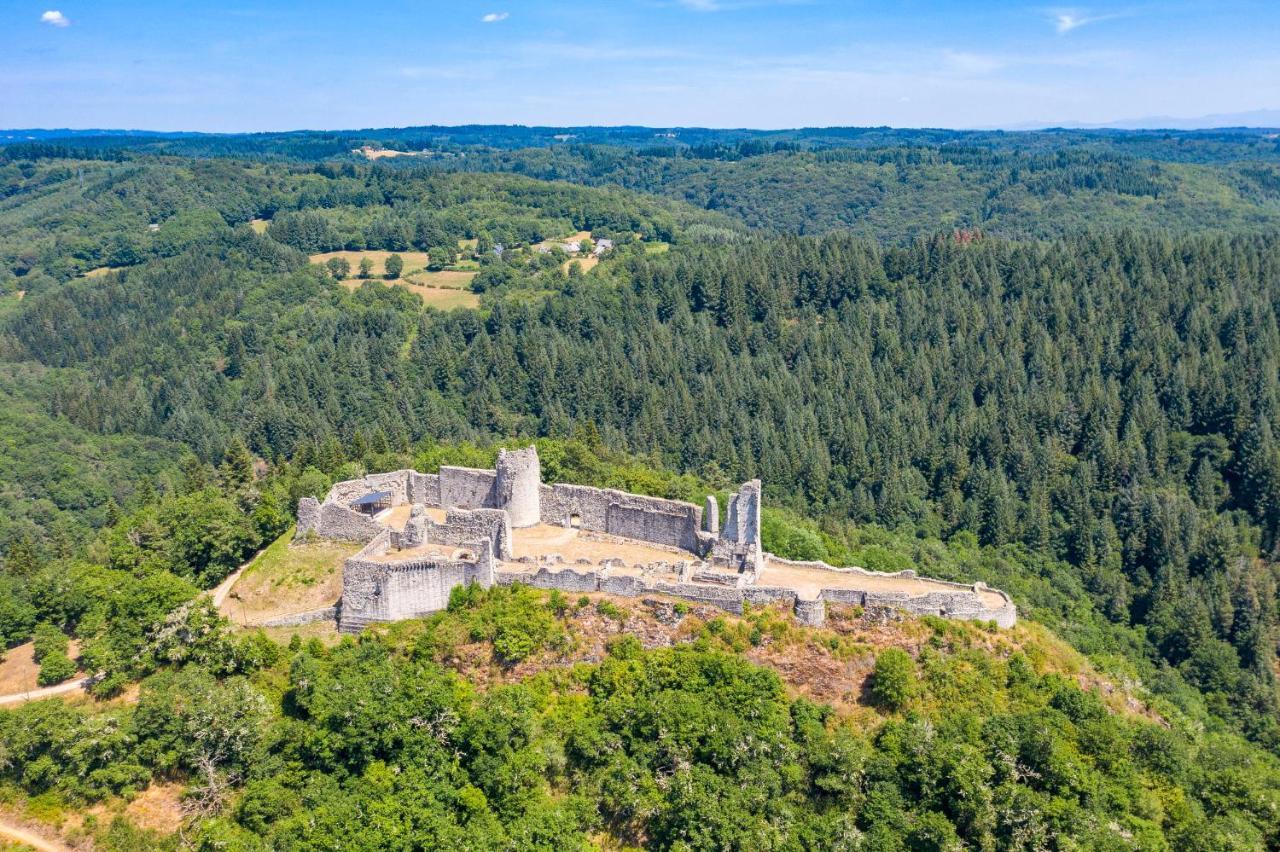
[
  {"x": 672, "y": 522},
  {"x": 743, "y": 521},
  {"x": 645, "y": 524},
  {"x": 518, "y": 485},
  {"x": 331, "y": 520},
  {"x": 308, "y": 517},
  {"x": 463, "y": 527},
  {"x": 467, "y": 488},
  {"x": 424, "y": 489}
]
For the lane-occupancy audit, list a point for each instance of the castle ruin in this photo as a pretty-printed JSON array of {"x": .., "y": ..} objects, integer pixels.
[{"x": 426, "y": 534}]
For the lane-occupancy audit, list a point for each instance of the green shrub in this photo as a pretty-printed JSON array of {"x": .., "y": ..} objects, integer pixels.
[
  {"x": 49, "y": 640},
  {"x": 894, "y": 683},
  {"x": 55, "y": 668}
]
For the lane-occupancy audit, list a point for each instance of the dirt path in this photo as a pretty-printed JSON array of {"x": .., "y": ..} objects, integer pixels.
[
  {"x": 11, "y": 832},
  {"x": 77, "y": 685},
  {"x": 220, "y": 591}
]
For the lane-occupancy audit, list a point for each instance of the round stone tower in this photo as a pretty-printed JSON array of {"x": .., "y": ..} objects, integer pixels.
[{"x": 519, "y": 485}]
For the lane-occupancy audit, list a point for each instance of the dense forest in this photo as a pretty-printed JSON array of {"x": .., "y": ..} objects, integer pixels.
[{"x": 1056, "y": 370}]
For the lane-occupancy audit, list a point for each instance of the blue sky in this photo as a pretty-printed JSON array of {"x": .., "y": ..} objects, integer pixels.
[{"x": 233, "y": 65}]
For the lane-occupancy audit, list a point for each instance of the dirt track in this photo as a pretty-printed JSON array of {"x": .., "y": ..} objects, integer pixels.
[{"x": 18, "y": 834}]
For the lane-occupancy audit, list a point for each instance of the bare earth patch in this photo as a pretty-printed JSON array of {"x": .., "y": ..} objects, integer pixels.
[{"x": 259, "y": 225}]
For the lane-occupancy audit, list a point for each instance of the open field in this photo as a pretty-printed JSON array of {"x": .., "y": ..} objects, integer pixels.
[
  {"x": 413, "y": 260},
  {"x": 100, "y": 271},
  {"x": 560, "y": 241},
  {"x": 587, "y": 263},
  {"x": 457, "y": 279},
  {"x": 284, "y": 580},
  {"x": 444, "y": 298},
  {"x": 259, "y": 225}
]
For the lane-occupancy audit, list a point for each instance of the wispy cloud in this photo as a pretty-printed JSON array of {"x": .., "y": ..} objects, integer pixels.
[
  {"x": 494, "y": 17},
  {"x": 701, "y": 5},
  {"x": 55, "y": 18},
  {"x": 1066, "y": 20}
]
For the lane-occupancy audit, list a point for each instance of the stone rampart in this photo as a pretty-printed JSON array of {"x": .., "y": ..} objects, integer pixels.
[
  {"x": 482, "y": 506},
  {"x": 424, "y": 489},
  {"x": 336, "y": 521},
  {"x": 467, "y": 488},
  {"x": 470, "y": 526},
  {"x": 518, "y": 486}
]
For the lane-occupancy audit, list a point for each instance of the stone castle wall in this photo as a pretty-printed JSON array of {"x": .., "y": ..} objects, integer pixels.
[
  {"x": 378, "y": 591},
  {"x": 467, "y": 488},
  {"x": 518, "y": 486},
  {"x": 482, "y": 507}
]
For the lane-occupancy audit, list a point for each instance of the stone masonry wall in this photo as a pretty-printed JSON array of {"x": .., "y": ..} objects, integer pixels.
[
  {"x": 339, "y": 522},
  {"x": 424, "y": 489},
  {"x": 467, "y": 488},
  {"x": 644, "y": 524},
  {"x": 518, "y": 486}
]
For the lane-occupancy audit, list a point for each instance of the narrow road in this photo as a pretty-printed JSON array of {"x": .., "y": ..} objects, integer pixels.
[
  {"x": 76, "y": 685},
  {"x": 21, "y": 835}
]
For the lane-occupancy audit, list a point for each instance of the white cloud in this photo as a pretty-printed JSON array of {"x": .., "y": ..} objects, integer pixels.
[
  {"x": 1066, "y": 20},
  {"x": 494, "y": 17},
  {"x": 55, "y": 18}
]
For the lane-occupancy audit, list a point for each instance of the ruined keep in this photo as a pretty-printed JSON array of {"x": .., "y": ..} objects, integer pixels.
[{"x": 465, "y": 525}]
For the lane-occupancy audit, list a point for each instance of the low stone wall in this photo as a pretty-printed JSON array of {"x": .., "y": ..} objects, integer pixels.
[
  {"x": 331, "y": 520},
  {"x": 298, "y": 619}
]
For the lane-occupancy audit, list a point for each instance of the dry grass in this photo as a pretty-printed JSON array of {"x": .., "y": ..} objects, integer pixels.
[
  {"x": 19, "y": 670},
  {"x": 284, "y": 580},
  {"x": 587, "y": 263},
  {"x": 259, "y": 225},
  {"x": 446, "y": 279},
  {"x": 444, "y": 298},
  {"x": 413, "y": 260},
  {"x": 560, "y": 241},
  {"x": 159, "y": 808},
  {"x": 100, "y": 271}
]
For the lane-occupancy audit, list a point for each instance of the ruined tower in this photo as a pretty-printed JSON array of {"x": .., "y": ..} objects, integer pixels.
[{"x": 518, "y": 486}]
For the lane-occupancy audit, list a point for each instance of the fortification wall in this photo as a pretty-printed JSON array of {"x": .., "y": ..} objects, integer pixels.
[
  {"x": 467, "y": 488},
  {"x": 652, "y": 519},
  {"x": 470, "y": 526},
  {"x": 308, "y": 517},
  {"x": 518, "y": 486},
  {"x": 424, "y": 489},
  {"x": 646, "y": 524},
  {"x": 332, "y": 520},
  {"x": 376, "y": 591}
]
